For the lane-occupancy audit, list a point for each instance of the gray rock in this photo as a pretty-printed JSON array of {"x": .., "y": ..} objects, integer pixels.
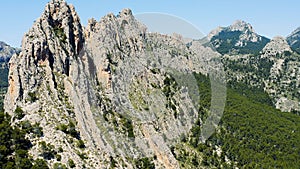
[
  {"x": 107, "y": 78},
  {"x": 278, "y": 45},
  {"x": 6, "y": 52},
  {"x": 294, "y": 40},
  {"x": 284, "y": 74}
]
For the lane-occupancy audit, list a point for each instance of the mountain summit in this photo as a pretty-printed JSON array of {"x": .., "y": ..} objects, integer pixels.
[
  {"x": 242, "y": 26},
  {"x": 237, "y": 38}
]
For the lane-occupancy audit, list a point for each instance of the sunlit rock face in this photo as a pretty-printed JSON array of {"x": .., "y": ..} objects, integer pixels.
[{"x": 121, "y": 91}]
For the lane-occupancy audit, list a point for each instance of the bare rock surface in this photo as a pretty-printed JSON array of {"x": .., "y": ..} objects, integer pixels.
[{"x": 124, "y": 92}]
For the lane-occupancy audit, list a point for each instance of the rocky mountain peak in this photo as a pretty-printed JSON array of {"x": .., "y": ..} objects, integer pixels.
[
  {"x": 237, "y": 38},
  {"x": 118, "y": 30},
  {"x": 126, "y": 12},
  {"x": 277, "y": 45},
  {"x": 44, "y": 76},
  {"x": 59, "y": 22},
  {"x": 53, "y": 41},
  {"x": 240, "y": 25},
  {"x": 247, "y": 32}
]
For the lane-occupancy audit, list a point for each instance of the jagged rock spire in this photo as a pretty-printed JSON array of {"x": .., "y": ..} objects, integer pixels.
[
  {"x": 240, "y": 25},
  {"x": 55, "y": 39}
]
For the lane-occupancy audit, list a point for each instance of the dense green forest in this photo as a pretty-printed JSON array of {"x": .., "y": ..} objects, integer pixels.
[
  {"x": 3, "y": 75},
  {"x": 251, "y": 134}
]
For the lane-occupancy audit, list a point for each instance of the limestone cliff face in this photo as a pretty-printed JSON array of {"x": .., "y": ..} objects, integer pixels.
[
  {"x": 39, "y": 77},
  {"x": 54, "y": 40},
  {"x": 121, "y": 91}
]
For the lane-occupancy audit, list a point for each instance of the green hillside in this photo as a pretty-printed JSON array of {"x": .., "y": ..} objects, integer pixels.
[{"x": 252, "y": 134}]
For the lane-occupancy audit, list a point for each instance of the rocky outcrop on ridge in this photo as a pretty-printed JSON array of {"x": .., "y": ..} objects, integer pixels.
[{"x": 108, "y": 95}]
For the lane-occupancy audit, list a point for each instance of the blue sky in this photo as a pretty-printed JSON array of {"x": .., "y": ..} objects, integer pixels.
[{"x": 268, "y": 17}]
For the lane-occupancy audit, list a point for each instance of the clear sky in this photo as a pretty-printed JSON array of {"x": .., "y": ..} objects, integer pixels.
[{"x": 268, "y": 17}]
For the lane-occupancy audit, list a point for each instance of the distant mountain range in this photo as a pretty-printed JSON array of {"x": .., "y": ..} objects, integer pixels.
[{"x": 240, "y": 38}]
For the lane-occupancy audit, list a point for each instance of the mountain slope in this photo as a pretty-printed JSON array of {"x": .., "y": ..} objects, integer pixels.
[
  {"x": 252, "y": 134},
  {"x": 104, "y": 97},
  {"x": 283, "y": 82},
  {"x": 6, "y": 52},
  {"x": 294, "y": 40},
  {"x": 238, "y": 38},
  {"x": 275, "y": 69}
]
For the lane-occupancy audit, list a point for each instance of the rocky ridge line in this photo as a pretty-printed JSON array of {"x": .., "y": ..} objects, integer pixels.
[{"x": 83, "y": 85}]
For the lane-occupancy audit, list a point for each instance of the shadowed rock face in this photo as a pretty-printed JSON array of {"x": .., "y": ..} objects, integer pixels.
[
  {"x": 6, "y": 52},
  {"x": 294, "y": 40},
  {"x": 113, "y": 80}
]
